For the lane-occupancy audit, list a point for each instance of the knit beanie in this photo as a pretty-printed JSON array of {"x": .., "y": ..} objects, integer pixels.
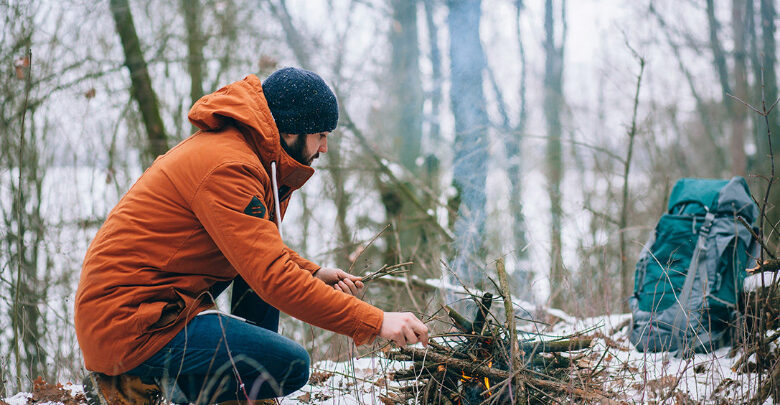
[{"x": 300, "y": 101}]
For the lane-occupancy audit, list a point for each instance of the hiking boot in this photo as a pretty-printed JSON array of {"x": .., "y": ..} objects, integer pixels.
[{"x": 101, "y": 389}]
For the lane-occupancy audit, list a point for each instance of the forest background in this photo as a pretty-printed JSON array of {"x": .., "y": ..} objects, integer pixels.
[{"x": 545, "y": 132}]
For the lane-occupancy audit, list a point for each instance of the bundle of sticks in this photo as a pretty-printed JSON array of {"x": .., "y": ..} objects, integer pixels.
[{"x": 473, "y": 364}]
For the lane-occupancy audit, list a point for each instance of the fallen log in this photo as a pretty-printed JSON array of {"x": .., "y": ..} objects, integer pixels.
[{"x": 557, "y": 346}]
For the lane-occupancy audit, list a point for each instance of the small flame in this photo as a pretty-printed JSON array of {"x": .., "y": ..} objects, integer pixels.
[
  {"x": 464, "y": 377},
  {"x": 487, "y": 382}
]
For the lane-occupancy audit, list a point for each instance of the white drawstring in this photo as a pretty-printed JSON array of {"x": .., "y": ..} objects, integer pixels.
[{"x": 278, "y": 217}]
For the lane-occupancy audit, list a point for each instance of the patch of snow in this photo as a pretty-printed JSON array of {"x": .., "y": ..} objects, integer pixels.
[
  {"x": 73, "y": 389},
  {"x": 754, "y": 281},
  {"x": 19, "y": 399}
]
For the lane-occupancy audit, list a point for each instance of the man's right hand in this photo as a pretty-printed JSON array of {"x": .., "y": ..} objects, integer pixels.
[{"x": 403, "y": 328}]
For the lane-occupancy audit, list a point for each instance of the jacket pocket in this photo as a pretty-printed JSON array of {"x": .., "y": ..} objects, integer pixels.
[{"x": 154, "y": 316}]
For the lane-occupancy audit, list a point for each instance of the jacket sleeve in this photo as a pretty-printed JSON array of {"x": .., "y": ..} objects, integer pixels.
[
  {"x": 301, "y": 262},
  {"x": 254, "y": 248}
]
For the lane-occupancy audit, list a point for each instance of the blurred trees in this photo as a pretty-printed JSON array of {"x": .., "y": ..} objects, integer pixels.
[
  {"x": 142, "y": 90},
  {"x": 25, "y": 261},
  {"x": 424, "y": 151}
]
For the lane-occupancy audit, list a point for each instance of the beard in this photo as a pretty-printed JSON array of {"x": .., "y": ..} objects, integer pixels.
[{"x": 297, "y": 150}]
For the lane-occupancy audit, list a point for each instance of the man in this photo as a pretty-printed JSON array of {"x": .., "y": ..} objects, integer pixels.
[{"x": 204, "y": 214}]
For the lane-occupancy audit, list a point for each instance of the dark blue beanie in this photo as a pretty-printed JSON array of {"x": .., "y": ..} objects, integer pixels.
[{"x": 300, "y": 102}]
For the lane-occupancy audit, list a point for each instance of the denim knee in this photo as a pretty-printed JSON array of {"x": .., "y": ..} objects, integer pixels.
[{"x": 299, "y": 371}]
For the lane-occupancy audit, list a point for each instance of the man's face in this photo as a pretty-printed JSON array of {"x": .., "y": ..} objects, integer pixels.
[{"x": 305, "y": 148}]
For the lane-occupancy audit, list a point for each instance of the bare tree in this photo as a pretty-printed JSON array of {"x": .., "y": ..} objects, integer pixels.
[
  {"x": 514, "y": 151},
  {"x": 142, "y": 90},
  {"x": 734, "y": 113},
  {"x": 195, "y": 42},
  {"x": 23, "y": 226},
  {"x": 406, "y": 88},
  {"x": 553, "y": 106},
  {"x": 769, "y": 83},
  {"x": 739, "y": 112},
  {"x": 436, "y": 73}
]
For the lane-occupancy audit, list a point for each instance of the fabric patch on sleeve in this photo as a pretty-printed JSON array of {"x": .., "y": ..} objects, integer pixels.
[{"x": 255, "y": 208}]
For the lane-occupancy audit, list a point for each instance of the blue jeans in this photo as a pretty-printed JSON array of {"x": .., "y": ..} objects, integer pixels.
[{"x": 217, "y": 358}]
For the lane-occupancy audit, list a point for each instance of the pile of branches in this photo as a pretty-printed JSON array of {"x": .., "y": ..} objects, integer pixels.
[
  {"x": 476, "y": 364},
  {"x": 759, "y": 332}
]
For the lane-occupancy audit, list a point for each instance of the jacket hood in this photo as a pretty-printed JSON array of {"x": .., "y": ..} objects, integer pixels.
[{"x": 242, "y": 104}]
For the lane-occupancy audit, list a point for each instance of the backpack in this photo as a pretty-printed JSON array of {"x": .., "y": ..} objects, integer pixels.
[{"x": 691, "y": 271}]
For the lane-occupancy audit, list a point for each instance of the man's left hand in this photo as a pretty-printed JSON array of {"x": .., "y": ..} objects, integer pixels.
[{"x": 341, "y": 281}]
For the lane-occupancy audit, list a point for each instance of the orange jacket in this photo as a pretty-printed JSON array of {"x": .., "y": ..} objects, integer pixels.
[{"x": 202, "y": 213}]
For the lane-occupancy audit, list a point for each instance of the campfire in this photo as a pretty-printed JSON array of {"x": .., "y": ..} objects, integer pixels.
[{"x": 474, "y": 364}]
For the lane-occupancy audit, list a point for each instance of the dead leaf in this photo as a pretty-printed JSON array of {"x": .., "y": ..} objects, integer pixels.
[
  {"x": 389, "y": 399},
  {"x": 305, "y": 397},
  {"x": 22, "y": 65},
  {"x": 318, "y": 377},
  {"x": 90, "y": 94}
]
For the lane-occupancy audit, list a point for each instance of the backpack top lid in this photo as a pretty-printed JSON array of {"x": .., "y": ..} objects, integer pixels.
[{"x": 698, "y": 196}]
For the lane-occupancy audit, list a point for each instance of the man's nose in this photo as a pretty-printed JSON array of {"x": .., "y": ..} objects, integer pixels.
[{"x": 323, "y": 146}]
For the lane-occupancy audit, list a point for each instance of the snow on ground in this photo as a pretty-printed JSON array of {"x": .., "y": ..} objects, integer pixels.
[
  {"x": 361, "y": 381},
  {"x": 19, "y": 399},
  {"x": 765, "y": 279},
  {"x": 648, "y": 377},
  {"x": 634, "y": 377}
]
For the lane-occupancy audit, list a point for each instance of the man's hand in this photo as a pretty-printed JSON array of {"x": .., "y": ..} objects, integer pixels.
[
  {"x": 341, "y": 281},
  {"x": 403, "y": 328}
]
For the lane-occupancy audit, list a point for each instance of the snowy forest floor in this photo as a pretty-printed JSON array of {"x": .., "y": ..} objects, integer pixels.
[{"x": 634, "y": 377}]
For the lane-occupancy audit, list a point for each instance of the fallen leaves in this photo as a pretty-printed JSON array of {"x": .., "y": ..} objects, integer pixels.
[
  {"x": 44, "y": 392},
  {"x": 318, "y": 377}
]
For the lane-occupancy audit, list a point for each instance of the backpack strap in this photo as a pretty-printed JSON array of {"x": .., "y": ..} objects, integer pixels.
[{"x": 682, "y": 317}]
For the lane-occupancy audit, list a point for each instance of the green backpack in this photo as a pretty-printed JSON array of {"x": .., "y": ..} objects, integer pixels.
[{"x": 691, "y": 271}]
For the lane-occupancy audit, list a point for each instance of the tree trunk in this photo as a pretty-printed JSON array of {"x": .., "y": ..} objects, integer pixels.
[
  {"x": 192, "y": 21},
  {"x": 553, "y": 104},
  {"x": 514, "y": 153},
  {"x": 736, "y": 140},
  {"x": 437, "y": 77},
  {"x": 739, "y": 111},
  {"x": 757, "y": 121},
  {"x": 406, "y": 87},
  {"x": 770, "y": 94},
  {"x": 142, "y": 90},
  {"x": 411, "y": 236},
  {"x": 467, "y": 63},
  {"x": 342, "y": 200}
]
